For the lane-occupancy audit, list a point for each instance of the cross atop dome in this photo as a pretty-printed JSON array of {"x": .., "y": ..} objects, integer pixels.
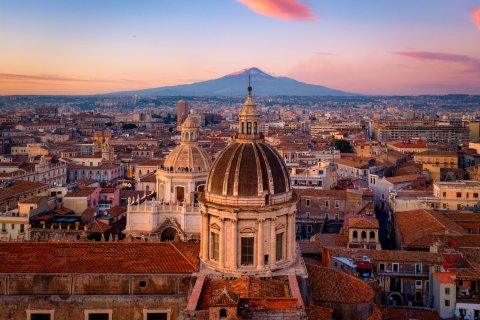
[{"x": 249, "y": 126}]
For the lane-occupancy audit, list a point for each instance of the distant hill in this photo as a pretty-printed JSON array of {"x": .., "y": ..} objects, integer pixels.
[{"x": 235, "y": 84}]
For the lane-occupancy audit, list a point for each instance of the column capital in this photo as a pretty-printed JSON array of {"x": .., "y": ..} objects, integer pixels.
[
  {"x": 259, "y": 220},
  {"x": 204, "y": 214},
  {"x": 234, "y": 221},
  {"x": 273, "y": 219}
]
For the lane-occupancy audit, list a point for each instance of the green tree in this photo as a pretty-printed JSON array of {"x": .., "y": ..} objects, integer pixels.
[
  {"x": 342, "y": 145},
  {"x": 128, "y": 126}
]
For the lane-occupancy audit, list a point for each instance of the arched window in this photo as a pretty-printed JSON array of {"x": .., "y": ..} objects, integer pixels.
[
  {"x": 364, "y": 235},
  {"x": 355, "y": 235},
  {"x": 372, "y": 234},
  {"x": 223, "y": 313}
]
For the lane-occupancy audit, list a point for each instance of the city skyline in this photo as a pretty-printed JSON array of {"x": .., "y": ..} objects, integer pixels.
[{"x": 370, "y": 47}]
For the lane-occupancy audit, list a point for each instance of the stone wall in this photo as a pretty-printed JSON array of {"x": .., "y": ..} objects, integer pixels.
[{"x": 68, "y": 296}]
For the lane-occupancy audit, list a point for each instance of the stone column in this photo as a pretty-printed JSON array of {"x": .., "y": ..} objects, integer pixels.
[
  {"x": 290, "y": 236},
  {"x": 260, "y": 242},
  {"x": 221, "y": 262},
  {"x": 234, "y": 243},
  {"x": 273, "y": 244},
  {"x": 205, "y": 236}
]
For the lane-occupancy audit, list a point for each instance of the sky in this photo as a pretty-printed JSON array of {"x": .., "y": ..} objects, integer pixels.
[{"x": 380, "y": 47}]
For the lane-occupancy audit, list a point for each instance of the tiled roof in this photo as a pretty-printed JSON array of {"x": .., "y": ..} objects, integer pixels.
[
  {"x": 407, "y": 178},
  {"x": 20, "y": 187},
  {"x": 404, "y": 313},
  {"x": 116, "y": 211},
  {"x": 330, "y": 285},
  {"x": 245, "y": 287},
  {"x": 422, "y": 227},
  {"x": 311, "y": 192},
  {"x": 81, "y": 192},
  {"x": 363, "y": 223},
  {"x": 224, "y": 297},
  {"x": 321, "y": 240},
  {"x": 319, "y": 313},
  {"x": 99, "y": 257},
  {"x": 386, "y": 255}
]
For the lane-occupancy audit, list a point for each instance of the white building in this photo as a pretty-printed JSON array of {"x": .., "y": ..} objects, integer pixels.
[
  {"x": 321, "y": 176},
  {"x": 175, "y": 210}
]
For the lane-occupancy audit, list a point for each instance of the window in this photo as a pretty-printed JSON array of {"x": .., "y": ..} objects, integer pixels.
[
  {"x": 99, "y": 316},
  {"x": 355, "y": 235},
  {"x": 418, "y": 268},
  {"x": 247, "y": 251},
  {"x": 372, "y": 235},
  {"x": 249, "y": 127},
  {"x": 142, "y": 284},
  {"x": 447, "y": 303},
  {"x": 395, "y": 267},
  {"x": 327, "y": 203},
  {"x": 418, "y": 283},
  {"x": 279, "y": 246},
  {"x": 223, "y": 313},
  {"x": 447, "y": 291},
  {"x": 215, "y": 255},
  {"x": 13, "y": 226},
  {"x": 307, "y": 202},
  {"x": 459, "y": 194},
  {"x": 444, "y": 194},
  {"x": 475, "y": 195},
  {"x": 337, "y": 204},
  {"x": 469, "y": 230},
  {"x": 4, "y": 227},
  {"x": 40, "y": 316},
  {"x": 309, "y": 228},
  {"x": 382, "y": 267},
  {"x": 157, "y": 316},
  {"x": 364, "y": 235},
  {"x": 22, "y": 228}
]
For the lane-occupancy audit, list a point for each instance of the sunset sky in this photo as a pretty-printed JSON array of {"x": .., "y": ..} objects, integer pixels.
[{"x": 363, "y": 46}]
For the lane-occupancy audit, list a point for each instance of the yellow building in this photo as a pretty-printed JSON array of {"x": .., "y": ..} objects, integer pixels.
[
  {"x": 434, "y": 161},
  {"x": 454, "y": 195}
]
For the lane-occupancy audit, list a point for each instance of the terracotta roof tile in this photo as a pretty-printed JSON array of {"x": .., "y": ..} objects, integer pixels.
[{"x": 99, "y": 257}]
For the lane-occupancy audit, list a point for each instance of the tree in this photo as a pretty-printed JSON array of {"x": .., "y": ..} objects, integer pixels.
[
  {"x": 342, "y": 145},
  {"x": 128, "y": 126}
]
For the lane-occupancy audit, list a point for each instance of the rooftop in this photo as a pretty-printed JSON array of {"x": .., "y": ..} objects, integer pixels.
[{"x": 99, "y": 257}]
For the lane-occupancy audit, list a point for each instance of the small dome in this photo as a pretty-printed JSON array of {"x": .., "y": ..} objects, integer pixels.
[
  {"x": 189, "y": 156},
  {"x": 248, "y": 170}
]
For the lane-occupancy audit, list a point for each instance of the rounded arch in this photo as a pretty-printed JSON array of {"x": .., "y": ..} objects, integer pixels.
[
  {"x": 395, "y": 299},
  {"x": 364, "y": 234},
  {"x": 168, "y": 234},
  {"x": 161, "y": 191},
  {"x": 355, "y": 234},
  {"x": 372, "y": 235}
]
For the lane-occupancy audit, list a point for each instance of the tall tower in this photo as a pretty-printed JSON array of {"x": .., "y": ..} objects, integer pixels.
[
  {"x": 182, "y": 112},
  {"x": 248, "y": 208},
  {"x": 108, "y": 154}
]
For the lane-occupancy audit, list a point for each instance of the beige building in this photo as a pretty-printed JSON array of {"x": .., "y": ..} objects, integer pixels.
[
  {"x": 434, "y": 161},
  {"x": 444, "y": 294},
  {"x": 248, "y": 208},
  {"x": 454, "y": 195}
]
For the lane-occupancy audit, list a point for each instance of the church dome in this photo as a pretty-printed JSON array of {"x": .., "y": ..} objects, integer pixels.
[
  {"x": 188, "y": 156},
  {"x": 248, "y": 172}
]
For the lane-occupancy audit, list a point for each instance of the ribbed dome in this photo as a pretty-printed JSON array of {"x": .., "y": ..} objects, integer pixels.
[
  {"x": 190, "y": 156},
  {"x": 248, "y": 170}
]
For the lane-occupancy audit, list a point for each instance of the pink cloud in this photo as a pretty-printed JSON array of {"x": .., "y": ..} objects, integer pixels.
[
  {"x": 472, "y": 64},
  {"x": 476, "y": 17},
  {"x": 280, "y": 9}
]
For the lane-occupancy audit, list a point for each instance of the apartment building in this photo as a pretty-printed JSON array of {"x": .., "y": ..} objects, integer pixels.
[{"x": 458, "y": 194}]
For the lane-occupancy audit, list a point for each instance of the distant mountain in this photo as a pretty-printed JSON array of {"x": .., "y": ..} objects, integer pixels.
[{"x": 235, "y": 84}]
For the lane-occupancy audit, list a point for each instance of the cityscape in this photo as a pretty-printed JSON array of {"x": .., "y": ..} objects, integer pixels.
[{"x": 240, "y": 159}]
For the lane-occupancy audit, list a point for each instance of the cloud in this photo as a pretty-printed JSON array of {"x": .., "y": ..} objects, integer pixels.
[
  {"x": 280, "y": 9},
  {"x": 476, "y": 17},
  {"x": 55, "y": 78},
  {"x": 472, "y": 64}
]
